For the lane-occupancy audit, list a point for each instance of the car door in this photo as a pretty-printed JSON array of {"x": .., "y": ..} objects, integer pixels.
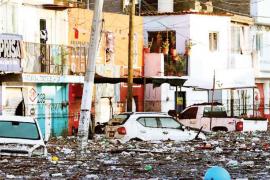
[
  {"x": 148, "y": 129},
  {"x": 173, "y": 130}
]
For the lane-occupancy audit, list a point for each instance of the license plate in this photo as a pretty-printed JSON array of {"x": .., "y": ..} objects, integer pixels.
[{"x": 111, "y": 133}]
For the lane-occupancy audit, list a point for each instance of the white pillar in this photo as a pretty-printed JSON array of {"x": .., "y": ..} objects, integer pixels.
[{"x": 266, "y": 96}]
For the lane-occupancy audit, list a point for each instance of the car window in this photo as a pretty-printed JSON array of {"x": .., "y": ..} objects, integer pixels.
[
  {"x": 148, "y": 122},
  {"x": 167, "y": 122},
  {"x": 22, "y": 130},
  {"x": 215, "y": 111},
  {"x": 189, "y": 113},
  {"x": 118, "y": 119}
]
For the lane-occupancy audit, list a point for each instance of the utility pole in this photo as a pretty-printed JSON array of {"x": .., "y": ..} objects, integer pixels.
[
  {"x": 212, "y": 103},
  {"x": 85, "y": 120},
  {"x": 130, "y": 55}
]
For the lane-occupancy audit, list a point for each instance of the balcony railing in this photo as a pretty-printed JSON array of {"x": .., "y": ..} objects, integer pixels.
[{"x": 54, "y": 59}]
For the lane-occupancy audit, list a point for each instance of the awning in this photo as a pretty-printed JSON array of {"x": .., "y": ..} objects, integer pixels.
[
  {"x": 155, "y": 80},
  {"x": 224, "y": 79}
]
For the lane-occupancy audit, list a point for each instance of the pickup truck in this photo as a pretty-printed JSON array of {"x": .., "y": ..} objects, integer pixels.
[{"x": 213, "y": 117}]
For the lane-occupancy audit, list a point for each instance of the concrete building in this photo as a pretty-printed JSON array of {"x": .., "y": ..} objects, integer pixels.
[
  {"x": 260, "y": 33},
  {"x": 209, "y": 38}
]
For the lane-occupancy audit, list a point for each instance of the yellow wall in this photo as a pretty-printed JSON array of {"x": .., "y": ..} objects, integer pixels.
[{"x": 116, "y": 23}]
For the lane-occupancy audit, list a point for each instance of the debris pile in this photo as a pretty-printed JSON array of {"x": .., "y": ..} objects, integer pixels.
[{"x": 243, "y": 155}]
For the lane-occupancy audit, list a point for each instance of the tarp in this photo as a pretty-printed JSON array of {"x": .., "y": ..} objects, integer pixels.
[{"x": 224, "y": 79}]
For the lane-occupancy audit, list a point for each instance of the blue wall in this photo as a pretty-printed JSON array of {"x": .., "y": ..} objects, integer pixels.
[{"x": 58, "y": 95}]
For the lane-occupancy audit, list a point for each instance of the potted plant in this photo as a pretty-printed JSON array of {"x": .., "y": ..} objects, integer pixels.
[
  {"x": 165, "y": 47},
  {"x": 173, "y": 44}
]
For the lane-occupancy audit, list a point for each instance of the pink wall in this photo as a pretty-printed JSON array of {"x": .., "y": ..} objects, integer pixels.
[{"x": 153, "y": 66}]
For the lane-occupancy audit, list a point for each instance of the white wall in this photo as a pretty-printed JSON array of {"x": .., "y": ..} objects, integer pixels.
[
  {"x": 196, "y": 28},
  {"x": 265, "y": 55},
  {"x": 202, "y": 62},
  {"x": 261, "y": 59},
  {"x": 260, "y": 11},
  {"x": 24, "y": 19}
]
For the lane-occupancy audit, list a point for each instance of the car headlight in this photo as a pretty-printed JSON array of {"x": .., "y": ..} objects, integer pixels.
[{"x": 40, "y": 151}]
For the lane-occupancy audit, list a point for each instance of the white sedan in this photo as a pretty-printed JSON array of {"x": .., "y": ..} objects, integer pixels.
[{"x": 148, "y": 126}]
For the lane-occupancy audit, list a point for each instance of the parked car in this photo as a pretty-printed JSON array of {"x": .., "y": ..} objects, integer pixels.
[
  {"x": 148, "y": 126},
  {"x": 21, "y": 136},
  {"x": 213, "y": 117}
]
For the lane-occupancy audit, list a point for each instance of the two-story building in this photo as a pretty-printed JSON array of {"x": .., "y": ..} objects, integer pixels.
[
  {"x": 205, "y": 39},
  {"x": 260, "y": 34},
  {"x": 54, "y": 39}
]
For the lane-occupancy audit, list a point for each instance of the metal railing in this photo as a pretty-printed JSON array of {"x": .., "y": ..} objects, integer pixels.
[{"x": 54, "y": 59}]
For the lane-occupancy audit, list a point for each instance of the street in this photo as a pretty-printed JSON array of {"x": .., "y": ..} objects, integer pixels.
[{"x": 243, "y": 155}]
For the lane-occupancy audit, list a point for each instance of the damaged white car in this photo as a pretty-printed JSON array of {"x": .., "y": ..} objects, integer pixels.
[
  {"x": 21, "y": 136},
  {"x": 148, "y": 126}
]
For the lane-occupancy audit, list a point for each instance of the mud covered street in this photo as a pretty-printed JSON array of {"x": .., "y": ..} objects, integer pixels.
[{"x": 244, "y": 155}]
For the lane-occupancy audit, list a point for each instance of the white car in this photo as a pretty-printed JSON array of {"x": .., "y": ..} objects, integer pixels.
[
  {"x": 21, "y": 136},
  {"x": 148, "y": 126}
]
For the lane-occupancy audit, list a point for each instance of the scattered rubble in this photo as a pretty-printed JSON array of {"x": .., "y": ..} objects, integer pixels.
[{"x": 243, "y": 155}]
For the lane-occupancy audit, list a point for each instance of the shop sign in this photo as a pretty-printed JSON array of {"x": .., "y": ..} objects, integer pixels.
[{"x": 10, "y": 53}]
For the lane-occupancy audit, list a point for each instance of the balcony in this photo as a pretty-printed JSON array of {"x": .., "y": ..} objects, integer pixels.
[
  {"x": 54, "y": 59},
  {"x": 176, "y": 65}
]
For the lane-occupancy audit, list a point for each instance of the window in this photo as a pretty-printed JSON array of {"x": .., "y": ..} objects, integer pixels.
[
  {"x": 259, "y": 42},
  {"x": 21, "y": 130},
  {"x": 217, "y": 111},
  {"x": 213, "y": 41},
  {"x": 169, "y": 123},
  {"x": 191, "y": 113},
  {"x": 235, "y": 39},
  {"x": 119, "y": 119},
  {"x": 148, "y": 122}
]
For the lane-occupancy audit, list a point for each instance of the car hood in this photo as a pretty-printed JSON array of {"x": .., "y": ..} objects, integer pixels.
[
  {"x": 21, "y": 141},
  {"x": 21, "y": 147}
]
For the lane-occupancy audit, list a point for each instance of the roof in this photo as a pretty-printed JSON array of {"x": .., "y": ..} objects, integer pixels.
[
  {"x": 184, "y": 13},
  {"x": 155, "y": 80},
  {"x": 17, "y": 119},
  {"x": 224, "y": 79}
]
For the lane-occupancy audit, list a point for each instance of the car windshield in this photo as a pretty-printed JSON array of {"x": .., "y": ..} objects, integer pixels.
[
  {"x": 21, "y": 130},
  {"x": 119, "y": 119}
]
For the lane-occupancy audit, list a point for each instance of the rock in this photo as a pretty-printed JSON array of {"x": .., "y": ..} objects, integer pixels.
[
  {"x": 57, "y": 175},
  {"x": 66, "y": 151},
  {"x": 243, "y": 146},
  {"x": 232, "y": 163},
  {"x": 124, "y": 153},
  {"x": 255, "y": 139},
  {"x": 45, "y": 175},
  {"x": 4, "y": 161},
  {"x": 10, "y": 176},
  {"x": 92, "y": 177},
  {"x": 218, "y": 150},
  {"x": 248, "y": 163}
]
